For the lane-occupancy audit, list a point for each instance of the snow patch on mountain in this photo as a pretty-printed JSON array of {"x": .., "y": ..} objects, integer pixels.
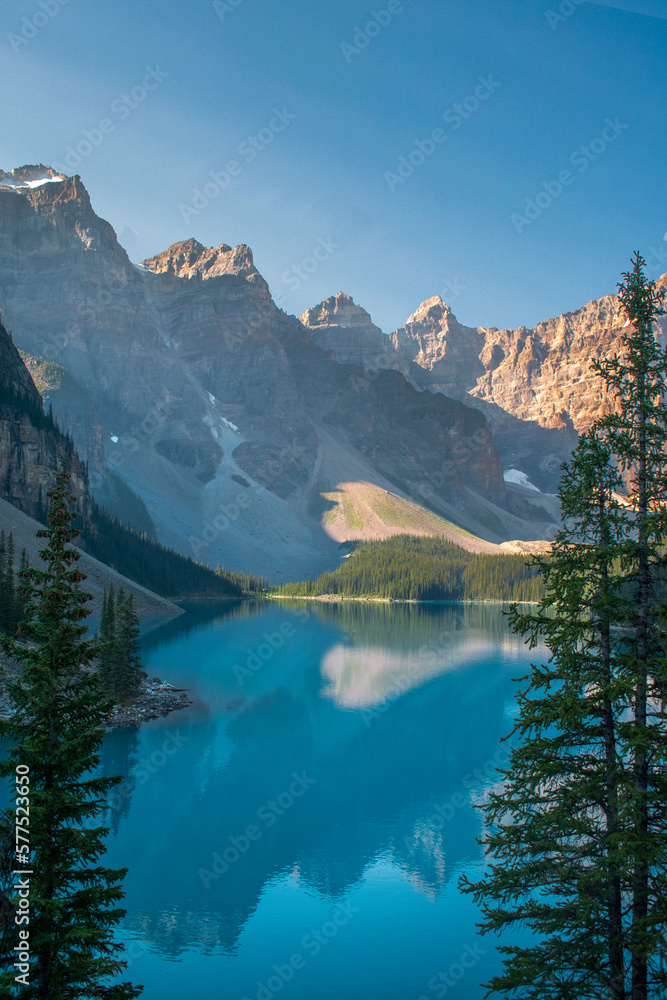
[
  {"x": 26, "y": 178},
  {"x": 520, "y": 478}
]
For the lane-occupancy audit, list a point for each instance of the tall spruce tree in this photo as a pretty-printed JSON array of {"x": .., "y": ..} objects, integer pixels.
[
  {"x": 127, "y": 645},
  {"x": 637, "y": 433},
  {"x": 9, "y": 589},
  {"x": 22, "y": 589},
  {"x": 56, "y": 731},
  {"x": 108, "y": 645},
  {"x": 9, "y": 599},
  {"x": 577, "y": 838}
]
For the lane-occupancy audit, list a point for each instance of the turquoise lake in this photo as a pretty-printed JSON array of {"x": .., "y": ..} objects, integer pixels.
[{"x": 301, "y": 829}]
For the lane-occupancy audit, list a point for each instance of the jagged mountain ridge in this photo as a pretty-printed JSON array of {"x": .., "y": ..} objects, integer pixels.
[
  {"x": 215, "y": 406},
  {"x": 534, "y": 386}
]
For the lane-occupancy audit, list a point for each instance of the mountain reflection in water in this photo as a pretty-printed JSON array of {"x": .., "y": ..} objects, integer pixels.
[{"x": 357, "y": 745}]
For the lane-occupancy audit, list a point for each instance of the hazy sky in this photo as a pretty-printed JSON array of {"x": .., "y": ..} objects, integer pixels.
[{"x": 508, "y": 155}]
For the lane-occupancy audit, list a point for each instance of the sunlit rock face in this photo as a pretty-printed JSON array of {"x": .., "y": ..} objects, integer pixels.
[
  {"x": 341, "y": 326},
  {"x": 185, "y": 379},
  {"x": 535, "y": 386}
]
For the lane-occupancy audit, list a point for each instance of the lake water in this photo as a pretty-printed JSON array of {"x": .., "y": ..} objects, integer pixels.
[{"x": 300, "y": 831}]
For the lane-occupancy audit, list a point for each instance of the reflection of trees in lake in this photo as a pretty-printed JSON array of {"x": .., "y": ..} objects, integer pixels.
[
  {"x": 405, "y": 624},
  {"x": 118, "y": 756}
]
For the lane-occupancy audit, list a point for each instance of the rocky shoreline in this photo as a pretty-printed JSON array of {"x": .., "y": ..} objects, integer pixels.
[{"x": 155, "y": 700}]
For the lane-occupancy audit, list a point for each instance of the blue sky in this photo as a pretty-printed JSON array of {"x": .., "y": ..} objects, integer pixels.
[{"x": 336, "y": 98}]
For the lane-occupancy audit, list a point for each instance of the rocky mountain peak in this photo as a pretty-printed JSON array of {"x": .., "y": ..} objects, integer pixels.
[
  {"x": 53, "y": 212},
  {"x": 191, "y": 259},
  {"x": 29, "y": 176},
  {"x": 433, "y": 331},
  {"x": 338, "y": 310},
  {"x": 433, "y": 308}
]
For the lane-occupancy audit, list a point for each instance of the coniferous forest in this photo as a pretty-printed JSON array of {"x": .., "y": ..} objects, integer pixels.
[
  {"x": 425, "y": 569},
  {"x": 12, "y": 599},
  {"x": 156, "y": 567},
  {"x": 119, "y": 659}
]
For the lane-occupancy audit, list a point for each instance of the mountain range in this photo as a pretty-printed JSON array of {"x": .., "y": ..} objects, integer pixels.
[{"x": 243, "y": 436}]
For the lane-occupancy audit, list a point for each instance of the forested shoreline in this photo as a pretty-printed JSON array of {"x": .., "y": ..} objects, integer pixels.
[{"x": 408, "y": 568}]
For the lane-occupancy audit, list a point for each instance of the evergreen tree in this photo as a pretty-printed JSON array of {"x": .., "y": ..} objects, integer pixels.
[
  {"x": 127, "y": 644},
  {"x": 638, "y": 436},
  {"x": 40, "y": 513},
  {"x": 8, "y": 596},
  {"x": 9, "y": 593},
  {"x": 56, "y": 732},
  {"x": 577, "y": 838},
  {"x": 3, "y": 571},
  {"x": 22, "y": 589},
  {"x": 108, "y": 644}
]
